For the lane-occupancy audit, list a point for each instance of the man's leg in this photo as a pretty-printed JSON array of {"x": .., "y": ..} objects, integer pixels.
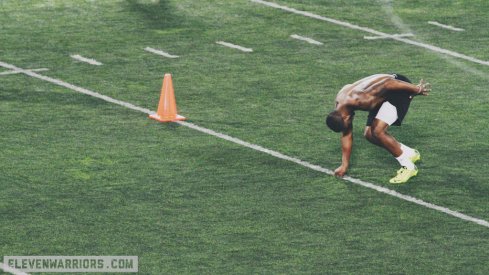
[
  {"x": 367, "y": 133},
  {"x": 408, "y": 169},
  {"x": 384, "y": 139},
  {"x": 414, "y": 154},
  {"x": 386, "y": 116},
  {"x": 377, "y": 133}
]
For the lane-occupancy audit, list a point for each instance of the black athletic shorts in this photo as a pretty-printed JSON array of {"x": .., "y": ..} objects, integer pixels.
[{"x": 400, "y": 99}]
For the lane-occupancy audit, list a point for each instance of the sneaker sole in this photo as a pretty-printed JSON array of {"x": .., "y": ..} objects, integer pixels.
[{"x": 401, "y": 182}]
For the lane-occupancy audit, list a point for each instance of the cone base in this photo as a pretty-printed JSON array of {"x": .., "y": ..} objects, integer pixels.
[{"x": 166, "y": 119}]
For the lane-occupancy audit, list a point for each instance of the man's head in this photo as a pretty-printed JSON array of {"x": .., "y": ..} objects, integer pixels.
[{"x": 335, "y": 121}]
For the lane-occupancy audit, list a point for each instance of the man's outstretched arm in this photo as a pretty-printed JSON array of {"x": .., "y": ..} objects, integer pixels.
[{"x": 393, "y": 85}]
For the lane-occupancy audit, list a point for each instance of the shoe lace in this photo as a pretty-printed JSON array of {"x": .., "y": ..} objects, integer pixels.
[{"x": 402, "y": 170}]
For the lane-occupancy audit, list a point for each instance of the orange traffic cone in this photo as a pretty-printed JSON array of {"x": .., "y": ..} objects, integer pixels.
[{"x": 167, "y": 108}]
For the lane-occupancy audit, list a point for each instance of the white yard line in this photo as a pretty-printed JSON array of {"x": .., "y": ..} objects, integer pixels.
[
  {"x": 254, "y": 147},
  {"x": 387, "y": 37},
  {"x": 160, "y": 52},
  {"x": 74, "y": 88},
  {"x": 11, "y": 270},
  {"x": 233, "y": 46},
  {"x": 86, "y": 60},
  {"x": 372, "y": 31},
  {"x": 16, "y": 72},
  {"x": 448, "y": 27},
  {"x": 306, "y": 39},
  {"x": 331, "y": 173}
]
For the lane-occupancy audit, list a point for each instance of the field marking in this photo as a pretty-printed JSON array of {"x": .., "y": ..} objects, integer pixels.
[
  {"x": 11, "y": 270},
  {"x": 372, "y": 31},
  {"x": 160, "y": 52},
  {"x": 74, "y": 88},
  {"x": 307, "y": 39},
  {"x": 448, "y": 27},
  {"x": 254, "y": 147},
  {"x": 387, "y": 37},
  {"x": 389, "y": 10},
  {"x": 86, "y": 60},
  {"x": 17, "y": 72},
  {"x": 233, "y": 46},
  {"x": 331, "y": 173}
]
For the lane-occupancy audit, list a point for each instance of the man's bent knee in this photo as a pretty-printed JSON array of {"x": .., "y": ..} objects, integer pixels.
[
  {"x": 378, "y": 133},
  {"x": 378, "y": 129},
  {"x": 368, "y": 134}
]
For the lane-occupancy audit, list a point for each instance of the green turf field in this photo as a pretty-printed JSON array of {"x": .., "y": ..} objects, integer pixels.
[{"x": 81, "y": 176}]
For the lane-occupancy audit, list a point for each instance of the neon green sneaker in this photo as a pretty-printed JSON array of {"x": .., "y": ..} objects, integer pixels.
[
  {"x": 416, "y": 157},
  {"x": 403, "y": 175}
]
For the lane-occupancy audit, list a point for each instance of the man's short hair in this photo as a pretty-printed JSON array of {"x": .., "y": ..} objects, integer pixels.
[{"x": 335, "y": 121}]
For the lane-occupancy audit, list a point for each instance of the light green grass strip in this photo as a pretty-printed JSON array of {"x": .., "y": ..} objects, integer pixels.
[
  {"x": 372, "y": 31},
  {"x": 254, "y": 147}
]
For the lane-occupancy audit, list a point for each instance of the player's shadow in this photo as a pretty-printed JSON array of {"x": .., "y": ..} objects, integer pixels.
[{"x": 157, "y": 15}]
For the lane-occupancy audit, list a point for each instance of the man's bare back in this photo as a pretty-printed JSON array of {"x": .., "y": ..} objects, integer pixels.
[
  {"x": 363, "y": 94},
  {"x": 370, "y": 92}
]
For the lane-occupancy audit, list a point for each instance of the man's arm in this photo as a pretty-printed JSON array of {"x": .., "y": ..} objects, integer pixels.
[
  {"x": 346, "y": 146},
  {"x": 422, "y": 88}
]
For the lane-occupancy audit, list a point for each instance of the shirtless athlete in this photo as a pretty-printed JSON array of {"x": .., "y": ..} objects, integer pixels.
[{"x": 387, "y": 98}]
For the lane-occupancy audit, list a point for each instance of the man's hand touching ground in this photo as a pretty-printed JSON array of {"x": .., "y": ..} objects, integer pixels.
[{"x": 340, "y": 171}]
